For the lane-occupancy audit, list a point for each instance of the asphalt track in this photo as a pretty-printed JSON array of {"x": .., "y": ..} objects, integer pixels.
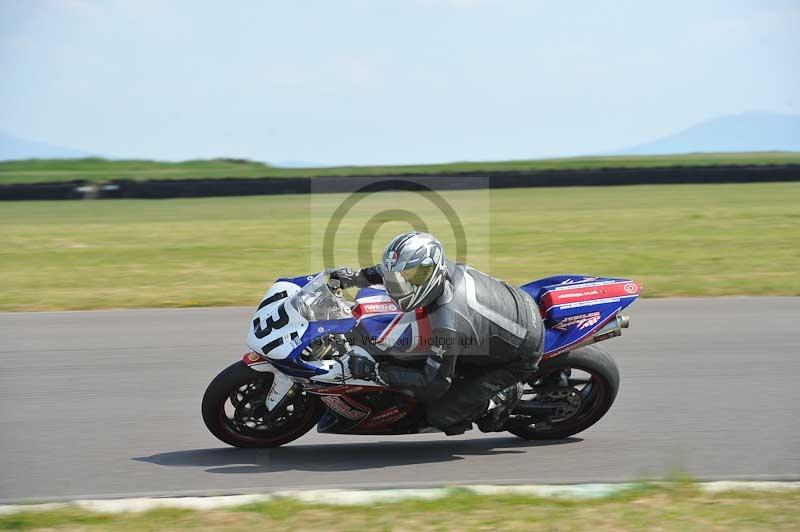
[{"x": 102, "y": 404}]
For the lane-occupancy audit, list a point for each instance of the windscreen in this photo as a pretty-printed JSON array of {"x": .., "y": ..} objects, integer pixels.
[{"x": 316, "y": 302}]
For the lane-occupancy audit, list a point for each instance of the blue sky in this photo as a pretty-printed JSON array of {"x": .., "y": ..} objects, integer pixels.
[{"x": 386, "y": 81}]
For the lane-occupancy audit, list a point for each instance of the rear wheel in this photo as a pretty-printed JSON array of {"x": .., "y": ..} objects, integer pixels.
[
  {"x": 234, "y": 410},
  {"x": 569, "y": 394}
]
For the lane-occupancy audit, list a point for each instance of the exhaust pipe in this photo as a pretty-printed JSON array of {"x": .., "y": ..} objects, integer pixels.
[{"x": 612, "y": 329}]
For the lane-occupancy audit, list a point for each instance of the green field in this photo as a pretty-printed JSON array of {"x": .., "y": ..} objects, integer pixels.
[
  {"x": 688, "y": 240},
  {"x": 680, "y": 508},
  {"x": 99, "y": 170}
]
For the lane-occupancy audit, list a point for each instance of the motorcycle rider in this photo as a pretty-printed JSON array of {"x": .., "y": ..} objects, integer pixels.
[{"x": 489, "y": 330}]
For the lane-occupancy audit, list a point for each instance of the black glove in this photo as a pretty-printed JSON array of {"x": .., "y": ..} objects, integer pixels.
[
  {"x": 362, "y": 367},
  {"x": 345, "y": 276}
]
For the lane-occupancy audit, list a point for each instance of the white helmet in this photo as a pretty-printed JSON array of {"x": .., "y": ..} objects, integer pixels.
[{"x": 413, "y": 268}]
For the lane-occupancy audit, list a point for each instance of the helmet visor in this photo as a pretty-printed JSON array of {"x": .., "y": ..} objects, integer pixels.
[
  {"x": 405, "y": 282},
  {"x": 418, "y": 275}
]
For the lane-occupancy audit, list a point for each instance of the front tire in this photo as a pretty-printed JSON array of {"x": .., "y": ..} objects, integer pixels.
[
  {"x": 234, "y": 410},
  {"x": 596, "y": 393}
]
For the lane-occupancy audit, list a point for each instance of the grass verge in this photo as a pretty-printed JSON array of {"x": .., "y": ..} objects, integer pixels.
[
  {"x": 682, "y": 240},
  {"x": 99, "y": 170},
  {"x": 677, "y": 507}
]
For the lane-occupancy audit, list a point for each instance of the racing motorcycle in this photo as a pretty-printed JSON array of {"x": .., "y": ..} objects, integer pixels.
[{"x": 308, "y": 330}]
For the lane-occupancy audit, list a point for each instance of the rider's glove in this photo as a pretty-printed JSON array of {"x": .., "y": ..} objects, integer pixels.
[
  {"x": 364, "y": 368},
  {"x": 345, "y": 276}
]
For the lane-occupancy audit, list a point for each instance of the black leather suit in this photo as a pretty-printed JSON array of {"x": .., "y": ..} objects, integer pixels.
[{"x": 486, "y": 335}]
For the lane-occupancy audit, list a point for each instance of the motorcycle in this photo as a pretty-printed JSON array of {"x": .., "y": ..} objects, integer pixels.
[{"x": 308, "y": 330}]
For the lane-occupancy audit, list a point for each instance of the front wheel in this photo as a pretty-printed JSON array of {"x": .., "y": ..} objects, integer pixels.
[
  {"x": 234, "y": 410},
  {"x": 569, "y": 394}
]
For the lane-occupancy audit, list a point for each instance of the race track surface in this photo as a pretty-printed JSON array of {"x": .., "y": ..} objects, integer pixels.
[{"x": 108, "y": 404}]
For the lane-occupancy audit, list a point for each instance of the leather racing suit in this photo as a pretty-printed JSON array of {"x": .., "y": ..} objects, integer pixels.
[{"x": 486, "y": 335}]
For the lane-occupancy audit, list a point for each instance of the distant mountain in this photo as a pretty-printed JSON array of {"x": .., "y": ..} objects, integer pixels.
[
  {"x": 14, "y": 148},
  {"x": 753, "y": 131}
]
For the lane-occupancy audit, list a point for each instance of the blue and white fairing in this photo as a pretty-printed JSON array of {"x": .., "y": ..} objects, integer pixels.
[
  {"x": 385, "y": 326},
  {"x": 574, "y": 307},
  {"x": 294, "y": 313},
  {"x": 298, "y": 311}
]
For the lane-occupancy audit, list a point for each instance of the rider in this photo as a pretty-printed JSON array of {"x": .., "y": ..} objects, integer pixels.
[{"x": 490, "y": 330}]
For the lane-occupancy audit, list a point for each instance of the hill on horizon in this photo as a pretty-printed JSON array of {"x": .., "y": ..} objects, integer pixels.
[
  {"x": 746, "y": 132},
  {"x": 754, "y": 131},
  {"x": 15, "y": 148}
]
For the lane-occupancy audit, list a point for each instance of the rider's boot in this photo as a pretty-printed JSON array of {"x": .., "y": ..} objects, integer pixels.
[
  {"x": 458, "y": 428},
  {"x": 500, "y": 407}
]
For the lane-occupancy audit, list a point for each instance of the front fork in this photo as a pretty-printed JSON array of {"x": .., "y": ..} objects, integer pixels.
[{"x": 282, "y": 390}]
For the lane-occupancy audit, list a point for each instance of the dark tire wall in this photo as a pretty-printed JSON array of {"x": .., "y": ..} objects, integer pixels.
[
  {"x": 217, "y": 393},
  {"x": 589, "y": 357},
  {"x": 186, "y": 188}
]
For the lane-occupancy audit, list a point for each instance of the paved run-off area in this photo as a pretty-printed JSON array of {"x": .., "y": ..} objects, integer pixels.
[{"x": 108, "y": 403}]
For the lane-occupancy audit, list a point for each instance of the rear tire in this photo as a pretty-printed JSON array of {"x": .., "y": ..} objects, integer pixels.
[
  {"x": 228, "y": 385},
  {"x": 604, "y": 377}
]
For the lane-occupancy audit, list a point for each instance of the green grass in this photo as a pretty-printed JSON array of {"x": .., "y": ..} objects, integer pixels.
[
  {"x": 681, "y": 508},
  {"x": 682, "y": 240},
  {"x": 99, "y": 170}
]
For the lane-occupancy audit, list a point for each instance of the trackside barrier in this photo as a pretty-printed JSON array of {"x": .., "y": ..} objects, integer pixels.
[{"x": 186, "y": 188}]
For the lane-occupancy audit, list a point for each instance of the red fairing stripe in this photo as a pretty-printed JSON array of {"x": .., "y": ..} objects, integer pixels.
[
  {"x": 423, "y": 330},
  {"x": 374, "y": 308},
  {"x": 252, "y": 358},
  {"x": 382, "y": 419},
  {"x": 388, "y": 329},
  {"x": 324, "y": 389},
  {"x": 578, "y": 294}
]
